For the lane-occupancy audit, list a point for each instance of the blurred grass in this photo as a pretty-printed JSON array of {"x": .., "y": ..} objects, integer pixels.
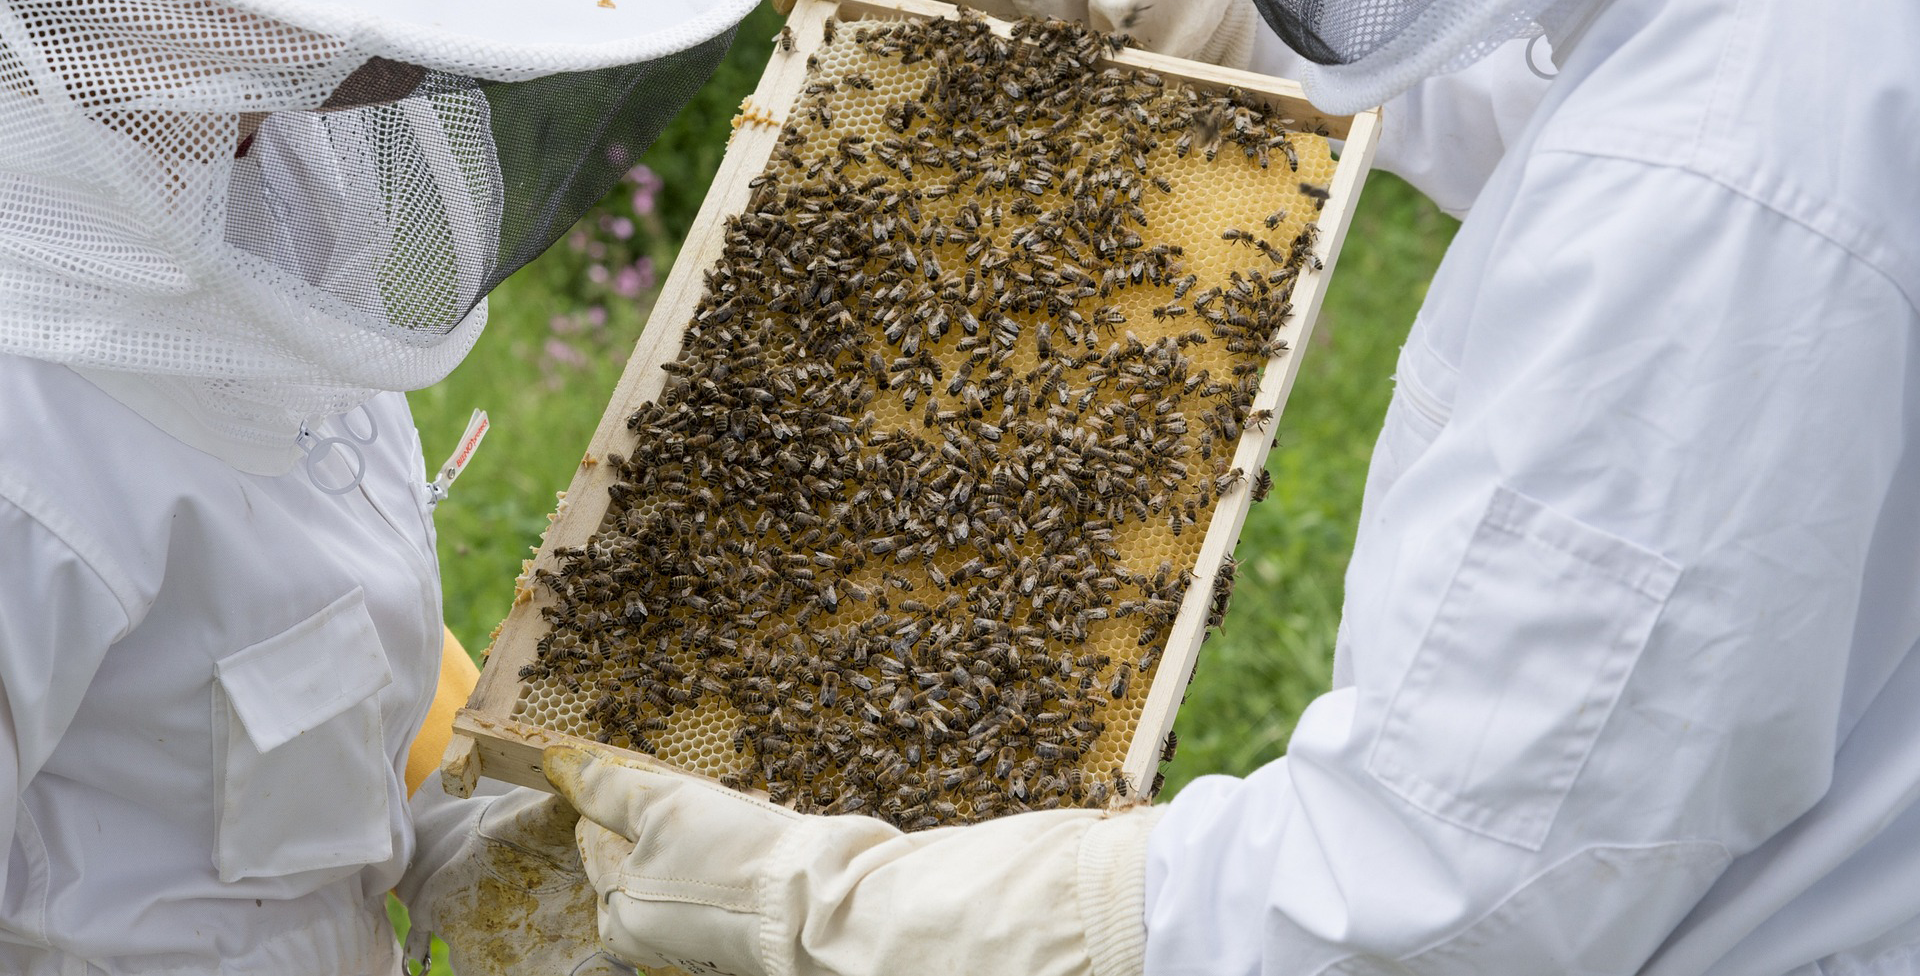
[{"x": 1274, "y": 653}]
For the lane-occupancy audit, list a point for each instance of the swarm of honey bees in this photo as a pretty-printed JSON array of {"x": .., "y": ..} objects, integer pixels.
[{"x": 907, "y": 530}]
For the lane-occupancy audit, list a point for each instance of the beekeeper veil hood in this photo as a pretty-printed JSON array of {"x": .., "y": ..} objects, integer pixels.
[
  {"x": 237, "y": 216},
  {"x": 1364, "y": 52}
]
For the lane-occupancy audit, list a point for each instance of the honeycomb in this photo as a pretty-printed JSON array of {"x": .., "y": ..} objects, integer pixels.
[{"x": 907, "y": 529}]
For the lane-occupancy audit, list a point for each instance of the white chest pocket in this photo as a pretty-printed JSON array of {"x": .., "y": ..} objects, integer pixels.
[
  {"x": 305, "y": 777},
  {"x": 1520, "y": 667}
]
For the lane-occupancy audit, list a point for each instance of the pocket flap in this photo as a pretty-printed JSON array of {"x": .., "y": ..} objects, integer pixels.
[
  {"x": 1530, "y": 648},
  {"x": 307, "y": 674}
]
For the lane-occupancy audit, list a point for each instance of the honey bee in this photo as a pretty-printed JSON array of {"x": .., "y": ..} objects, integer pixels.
[{"x": 1262, "y": 485}]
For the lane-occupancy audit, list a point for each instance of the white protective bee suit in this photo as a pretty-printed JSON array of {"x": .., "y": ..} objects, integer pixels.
[
  {"x": 1626, "y": 675},
  {"x": 224, "y": 229},
  {"x": 1627, "y": 662}
]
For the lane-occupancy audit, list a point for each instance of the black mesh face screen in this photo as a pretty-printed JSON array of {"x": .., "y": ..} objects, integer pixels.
[
  {"x": 404, "y": 212},
  {"x": 558, "y": 164},
  {"x": 1338, "y": 31}
]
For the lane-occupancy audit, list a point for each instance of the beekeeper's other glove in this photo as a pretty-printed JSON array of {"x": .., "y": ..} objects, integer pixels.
[
  {"x": 709, "y": 880},
  {"x": 1216, "y": 31},
  {"x": 1043, "y": 9},
  {"x": 500, "y": 882}
]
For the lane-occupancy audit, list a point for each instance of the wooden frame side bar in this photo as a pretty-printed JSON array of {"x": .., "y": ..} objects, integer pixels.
[{"x": 1230, "y": 515}]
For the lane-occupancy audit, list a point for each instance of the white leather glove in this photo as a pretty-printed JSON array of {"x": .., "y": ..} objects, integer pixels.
[
  {"x": 697, "y": 876},
  {"x": 1216, "y": 31},
  {"x": 1043, "y": 9},
  {"x": 510, "y": 899}
]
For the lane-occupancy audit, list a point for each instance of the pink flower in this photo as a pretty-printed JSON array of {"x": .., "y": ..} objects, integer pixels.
[
  {"x": 597, "y": 273},
  {"x": 628, "y": 283},
  {"x": 648, "y": 277},
  {"x": 643, "y": 176},
  {"x": 560, "y": 352},
  {"x": 563, "y": 325},
  {"x": 597, "y": 315},
  {"x": 621, "y": 228},
  {"x": 646, "y": 187}
]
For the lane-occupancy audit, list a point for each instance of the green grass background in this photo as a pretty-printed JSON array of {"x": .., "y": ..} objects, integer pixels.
[{"x": 1273, "y": 654}]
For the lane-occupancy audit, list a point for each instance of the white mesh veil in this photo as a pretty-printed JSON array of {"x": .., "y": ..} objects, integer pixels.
[
  {"x": 267, "y": 210},
  {"x": 1364, "y": 52}
]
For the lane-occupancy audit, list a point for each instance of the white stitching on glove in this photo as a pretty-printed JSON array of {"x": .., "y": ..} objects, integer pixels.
[
  {"x": 713, "y": 881},
  {"x": 1219, "y": 31},
  {"x": 1216, "y": 31}
]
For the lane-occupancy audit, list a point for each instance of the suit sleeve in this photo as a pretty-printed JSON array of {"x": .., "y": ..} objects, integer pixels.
[{"x": 1609, "y": 625}]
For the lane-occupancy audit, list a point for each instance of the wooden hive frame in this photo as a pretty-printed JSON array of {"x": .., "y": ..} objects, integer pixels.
[{"x": 489, "y": 741}]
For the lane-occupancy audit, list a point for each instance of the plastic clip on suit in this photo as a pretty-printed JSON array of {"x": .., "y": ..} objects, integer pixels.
[
  {"x": 226, "y": 231},
  {"x": 1625, "y": 677}
]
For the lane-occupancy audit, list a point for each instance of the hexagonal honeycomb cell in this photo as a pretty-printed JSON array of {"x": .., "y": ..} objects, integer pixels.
[{"x": 1122, "y": 247}]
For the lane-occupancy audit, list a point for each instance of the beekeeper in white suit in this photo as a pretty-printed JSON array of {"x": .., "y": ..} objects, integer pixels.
[
  {"x": 1626, "y": 677},
  {"x": 224, "y": 229}
]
